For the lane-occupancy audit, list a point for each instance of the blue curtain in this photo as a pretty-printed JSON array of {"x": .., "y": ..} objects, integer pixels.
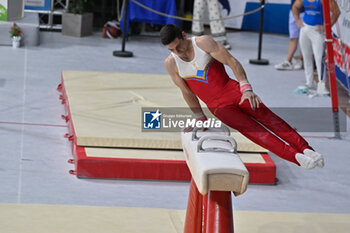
[{"x": 138, "y": 14}]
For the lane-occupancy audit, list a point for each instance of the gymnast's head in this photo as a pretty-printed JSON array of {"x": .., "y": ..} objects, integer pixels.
[
  {"x": 169, "y": 33},
  {"x": 173, "y": 38}
]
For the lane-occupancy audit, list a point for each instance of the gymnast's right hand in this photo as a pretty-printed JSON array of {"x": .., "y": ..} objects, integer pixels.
[
  {"x": 200, "y": 117},
  {"x": 253, "y": 99}
]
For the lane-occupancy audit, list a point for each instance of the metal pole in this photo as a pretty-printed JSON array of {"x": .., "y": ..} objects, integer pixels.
[
  {"x": 260, "y": 61},
  {"x": 123, "y": 53},
  {"x": 261, "y": 31},
  {"x": 331, "y": 67}
]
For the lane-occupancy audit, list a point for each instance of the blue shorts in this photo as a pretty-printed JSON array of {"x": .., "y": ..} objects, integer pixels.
[{"x": 293, "y": 27}]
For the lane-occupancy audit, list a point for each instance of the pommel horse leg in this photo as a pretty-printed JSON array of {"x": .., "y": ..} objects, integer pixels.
[
  {"x": 211, "y": 213},
  {"x": 220, "y": 218},
  {"x": 193, "y": 222}
]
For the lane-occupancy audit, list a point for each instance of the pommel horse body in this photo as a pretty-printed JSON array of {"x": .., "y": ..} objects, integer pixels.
[{"x": 217, "y": 170}]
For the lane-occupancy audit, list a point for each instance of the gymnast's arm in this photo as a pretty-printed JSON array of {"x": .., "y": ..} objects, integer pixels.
[
  {"x": 218, "y": 52},
  {"x": 190, "y": 98}
]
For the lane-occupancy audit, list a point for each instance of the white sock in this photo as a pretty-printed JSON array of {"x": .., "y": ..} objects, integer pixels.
[
  {"x": 315, "y": 156},
  {"x": 305, "y": 161}
]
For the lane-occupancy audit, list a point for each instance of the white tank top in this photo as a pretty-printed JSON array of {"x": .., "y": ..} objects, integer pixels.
[{"x": 195, "y": 68}]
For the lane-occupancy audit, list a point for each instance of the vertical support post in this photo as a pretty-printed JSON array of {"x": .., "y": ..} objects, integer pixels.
[
  {"x": 50, "y": 15},
  {"x": 205, "y": 213},
  {"x": 260, "y": 61},
  {"x": 103, "y": 6},
  {"x": 261, "y": 27},
  {"x": 220, "y": 216},
  {"x": 181, "y": 12},
  {"x": 122, "y": 52},
  {"x": 331, "y": 67},
  {"x": 193, "y": 221}
]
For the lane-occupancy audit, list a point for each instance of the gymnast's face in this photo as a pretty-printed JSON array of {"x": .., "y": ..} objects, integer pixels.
[{"x": 178, "y": 46}]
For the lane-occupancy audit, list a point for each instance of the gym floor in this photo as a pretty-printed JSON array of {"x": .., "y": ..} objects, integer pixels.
[{"x": 37, "y": 194}]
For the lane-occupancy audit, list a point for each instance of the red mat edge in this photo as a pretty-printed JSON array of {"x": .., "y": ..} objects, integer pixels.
[{"x": 152, "y": 169}]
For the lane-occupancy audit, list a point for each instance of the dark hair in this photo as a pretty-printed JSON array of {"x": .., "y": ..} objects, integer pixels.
[{"x": 169, "y": 32}]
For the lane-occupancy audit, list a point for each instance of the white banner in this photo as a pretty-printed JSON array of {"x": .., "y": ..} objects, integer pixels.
[
  {"x": 344, "y": 21},
  {"x": 342, "y": 47}
]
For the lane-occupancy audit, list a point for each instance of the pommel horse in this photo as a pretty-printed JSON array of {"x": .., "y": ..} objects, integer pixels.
[{"x": 217, "y": 170}]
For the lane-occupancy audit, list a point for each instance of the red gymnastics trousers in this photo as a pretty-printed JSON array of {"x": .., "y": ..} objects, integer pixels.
[{"x": 222, "y": 96}]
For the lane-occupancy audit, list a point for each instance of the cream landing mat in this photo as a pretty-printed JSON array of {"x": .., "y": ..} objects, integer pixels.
[
  {"x": 106, "y": 109},
  {"x": 30, "y": 218}
]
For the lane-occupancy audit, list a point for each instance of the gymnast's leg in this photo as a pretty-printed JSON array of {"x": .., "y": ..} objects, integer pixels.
[
  {"x": 237, "y": 119},
  {"x": 277, "y": 125},
  {"x": 282, "y": 129}
]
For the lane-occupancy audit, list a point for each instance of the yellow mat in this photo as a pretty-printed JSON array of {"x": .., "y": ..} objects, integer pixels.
[
  {"x": 28, "y": 218},
  {"x": 106, "y": 109},
  {"x": 156, "y": 154}
]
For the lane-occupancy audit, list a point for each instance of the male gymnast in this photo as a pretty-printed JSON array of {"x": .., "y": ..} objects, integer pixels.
[{"x": 196, "y": 66}]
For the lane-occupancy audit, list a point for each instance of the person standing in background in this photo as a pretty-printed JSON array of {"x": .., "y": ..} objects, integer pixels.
[
  {"x": 217, "y": 27},
  {"x": 294, "y": 31},
  {"x": 312, "y": 37}
]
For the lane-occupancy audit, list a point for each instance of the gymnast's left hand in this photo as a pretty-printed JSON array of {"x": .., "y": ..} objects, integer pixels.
[{"x": 253, "y": 99}]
